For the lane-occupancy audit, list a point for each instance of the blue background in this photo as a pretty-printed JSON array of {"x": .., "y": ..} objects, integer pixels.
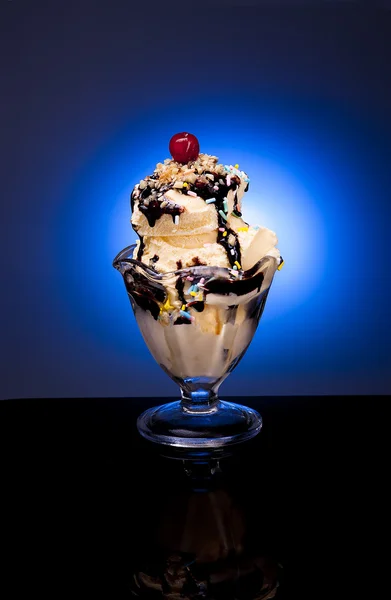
[{"x": 92, "y": 93}]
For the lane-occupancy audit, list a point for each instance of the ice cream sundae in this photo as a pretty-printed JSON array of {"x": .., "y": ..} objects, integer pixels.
[{"x": 199, "y": 274}]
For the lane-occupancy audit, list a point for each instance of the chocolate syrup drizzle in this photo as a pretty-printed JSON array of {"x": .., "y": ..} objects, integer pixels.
[
  {"x": 140, "y": 248},
  {"x": 204, "y": 188},
  {"x": 180, "y": 284}
]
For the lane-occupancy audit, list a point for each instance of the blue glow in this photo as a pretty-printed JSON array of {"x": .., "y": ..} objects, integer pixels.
[{"x": 310, "y": 181}]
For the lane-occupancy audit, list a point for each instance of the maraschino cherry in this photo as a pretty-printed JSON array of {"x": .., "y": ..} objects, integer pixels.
[{"x": 184, "y": 147}]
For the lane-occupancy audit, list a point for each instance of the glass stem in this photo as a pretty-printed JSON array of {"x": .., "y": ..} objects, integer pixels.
[{"x": 199, "y": 400}]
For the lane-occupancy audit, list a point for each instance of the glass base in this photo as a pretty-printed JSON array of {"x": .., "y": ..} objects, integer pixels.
[{"x": 221, "y": 424}]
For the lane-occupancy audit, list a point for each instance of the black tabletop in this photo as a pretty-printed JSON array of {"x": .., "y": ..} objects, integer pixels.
[{"x": 90, "y": 509}]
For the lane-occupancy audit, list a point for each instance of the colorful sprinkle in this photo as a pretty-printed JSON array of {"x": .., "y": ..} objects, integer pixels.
[
  {"x": 280, "y": 265},
  {"x": 210, "y": 200},
  {"x": 185, "y": 184},
  {"x": 216, "y": 188},
  {"x": 185, "y": 314},
  {"x": 167, "y": 305},
  {"x": 221, "y": 229},
  {"x": 237, "y": 264},
  {"x": 190, "y": 193},
  {"x": 193, "y": 293},
  {"x": 236, "y": 214},
  {"x": 223, "y": 215},
  {"x": 243, "y": 229},
  {"x": 189, "y": 278},
  {"x": 176, "y": 220},
  {"x": 228, "y": 180},
  {"x": 183, "y": 306},
  {"x": 232, "y": 251},
  {"x": 225, "y": 205},
  {"x": 225, "y": 233},
  {"x": 202, "y": 280},
  {"x": 235, "y": 268},
  {"x": 236, "y": 166}
]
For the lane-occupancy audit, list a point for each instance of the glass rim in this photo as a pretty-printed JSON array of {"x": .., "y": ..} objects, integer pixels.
[{"x": 123, "y": 257}]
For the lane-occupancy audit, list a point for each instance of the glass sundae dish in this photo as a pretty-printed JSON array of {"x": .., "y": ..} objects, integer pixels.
[{"x": 198, "y": 279}]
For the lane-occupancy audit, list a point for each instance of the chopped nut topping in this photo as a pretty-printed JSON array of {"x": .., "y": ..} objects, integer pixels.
[{"x": 173, "y": 173}]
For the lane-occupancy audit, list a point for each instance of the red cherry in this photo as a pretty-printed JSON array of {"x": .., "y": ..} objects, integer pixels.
[{"x": 184, "y": 147}]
